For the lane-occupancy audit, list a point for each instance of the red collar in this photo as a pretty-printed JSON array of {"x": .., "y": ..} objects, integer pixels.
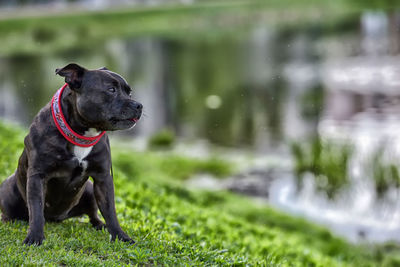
[{"x": 65, "y": 129}]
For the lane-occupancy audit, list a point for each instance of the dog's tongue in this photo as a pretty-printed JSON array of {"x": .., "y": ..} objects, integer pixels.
[{"x": 133, "y": 119}]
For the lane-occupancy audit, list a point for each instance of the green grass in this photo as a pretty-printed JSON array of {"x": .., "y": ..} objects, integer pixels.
[{"x": 177, "y": 227}]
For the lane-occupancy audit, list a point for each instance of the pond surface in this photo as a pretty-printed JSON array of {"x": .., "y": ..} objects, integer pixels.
[{"x": 256, "y": 90}]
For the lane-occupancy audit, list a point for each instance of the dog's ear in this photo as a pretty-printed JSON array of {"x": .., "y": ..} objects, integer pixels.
[
  {"x": 73, "y": 74},
  {"x": 103, "y": 68}
]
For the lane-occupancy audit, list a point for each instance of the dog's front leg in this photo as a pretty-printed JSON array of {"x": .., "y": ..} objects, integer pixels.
[
  {"x": 104, "y": 194},
  {"x": 35, "y": 199}
]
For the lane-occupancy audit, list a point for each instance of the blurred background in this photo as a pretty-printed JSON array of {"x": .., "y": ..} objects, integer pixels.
[{"x": 302, "y": 96}]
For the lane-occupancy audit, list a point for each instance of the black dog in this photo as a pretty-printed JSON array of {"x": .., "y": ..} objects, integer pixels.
[{"x": 66, "y": 144}]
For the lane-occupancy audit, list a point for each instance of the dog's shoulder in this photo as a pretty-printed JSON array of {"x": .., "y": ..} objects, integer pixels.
[{"x": 43, "y": 131}]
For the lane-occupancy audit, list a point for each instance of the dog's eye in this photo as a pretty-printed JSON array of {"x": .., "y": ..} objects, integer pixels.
[{"x": 111, "y": 89}]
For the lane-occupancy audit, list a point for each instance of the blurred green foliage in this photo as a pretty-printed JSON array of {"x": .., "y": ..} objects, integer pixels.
[
  {"x": 326, "y": 160},
  {"x": 49, "y": 33},
  {"x": 162, "y": 139},
  {"x": 11, "y": 145},
  {"x": 175, "y": 166},
  {"x": 312, "y": 103},
  {"x": 375, "y": 4},
  {"x": 385, "y": 174}
]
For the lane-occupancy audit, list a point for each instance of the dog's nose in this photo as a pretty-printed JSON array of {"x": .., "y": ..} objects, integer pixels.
[{"x": 138, "y": 106}]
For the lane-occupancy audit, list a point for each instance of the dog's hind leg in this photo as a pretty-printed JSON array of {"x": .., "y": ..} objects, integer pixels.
[
  {"x": 87, "y": 205},
  {"x": 12, "y": 205}
]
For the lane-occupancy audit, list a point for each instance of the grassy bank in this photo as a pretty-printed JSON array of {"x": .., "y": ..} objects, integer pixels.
[{"x": 174, "y": 226}]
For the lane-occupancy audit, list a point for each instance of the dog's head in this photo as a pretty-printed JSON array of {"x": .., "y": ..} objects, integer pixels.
[{"x": 102, "y": 98}]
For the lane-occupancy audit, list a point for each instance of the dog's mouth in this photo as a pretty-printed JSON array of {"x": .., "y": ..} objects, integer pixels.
[{"x": 133, "y": 120}]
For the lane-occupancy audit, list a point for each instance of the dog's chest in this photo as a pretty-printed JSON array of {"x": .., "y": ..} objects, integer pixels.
[{"x": 80, "y": 154}]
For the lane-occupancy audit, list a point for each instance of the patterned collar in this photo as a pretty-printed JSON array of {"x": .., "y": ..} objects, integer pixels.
[{"x": 63, "y": 126}]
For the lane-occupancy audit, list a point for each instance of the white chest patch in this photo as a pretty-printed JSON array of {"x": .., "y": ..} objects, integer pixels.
[{"x": 82, "y": 152}]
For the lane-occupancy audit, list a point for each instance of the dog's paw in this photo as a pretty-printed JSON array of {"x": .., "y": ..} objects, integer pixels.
[
  {"x": 4, "y": 218},
  {"x": 34, "y": 239},
  {"x": 123, "y": 237},
  {"x": 98, "y": 225},
  {"x": 127, "y": 240}
]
